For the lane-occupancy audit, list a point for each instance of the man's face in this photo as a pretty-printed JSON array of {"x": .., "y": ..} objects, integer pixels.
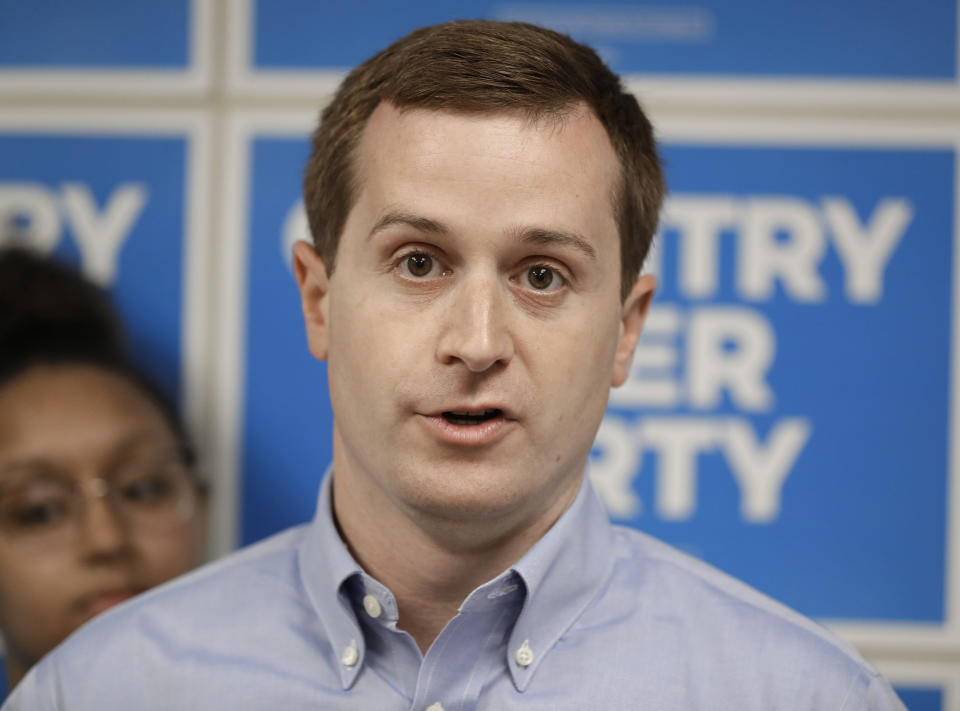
[{"x": 473, "y": 324}]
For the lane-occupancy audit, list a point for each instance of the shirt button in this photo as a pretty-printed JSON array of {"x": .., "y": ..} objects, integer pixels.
[
  {"x": 524, "y": 655},
  {"x": 435, "y": 707},
  {"x": 372, "y": 606},
  {"x": 350, "y": 654}
]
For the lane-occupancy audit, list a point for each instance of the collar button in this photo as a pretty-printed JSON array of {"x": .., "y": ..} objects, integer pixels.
[
  {"x": 524, "y": 655},
  {"x": 372, "y": 606},
  {"x": 350, "y": 655}
]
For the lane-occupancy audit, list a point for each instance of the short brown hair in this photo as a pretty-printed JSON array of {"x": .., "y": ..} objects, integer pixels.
[{"x": 478, "y": 66}]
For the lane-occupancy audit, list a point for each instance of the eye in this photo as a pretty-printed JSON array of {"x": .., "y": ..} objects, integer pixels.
[
  {"x": 420, "y": 265},
  {"x": 35, "y": 513},
  {"x": 540, "y": 277},
  {"x": 42, "y": 514},
  {"x": 149, "y": 490}
]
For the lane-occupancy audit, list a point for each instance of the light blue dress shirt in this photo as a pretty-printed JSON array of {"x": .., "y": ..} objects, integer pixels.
[{"x": 593, "y": 617}]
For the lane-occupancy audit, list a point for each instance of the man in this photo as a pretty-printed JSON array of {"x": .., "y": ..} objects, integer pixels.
[{"x": 482, "y": 197}]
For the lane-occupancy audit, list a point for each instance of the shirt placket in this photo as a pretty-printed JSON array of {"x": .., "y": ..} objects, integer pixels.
[{"x": 469, "y": 651}]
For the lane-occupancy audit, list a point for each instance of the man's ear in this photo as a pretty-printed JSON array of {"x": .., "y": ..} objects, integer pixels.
[
  {"x": 314, "y": 284},
  {"x": 632, "y": 316}
]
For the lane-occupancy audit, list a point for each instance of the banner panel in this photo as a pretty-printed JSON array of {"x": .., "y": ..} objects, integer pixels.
[
  {"x": 113, "y": 206},
  {"x": 920, "y": 698},
  {"x": 786, "y": 416},
  {"x": 720, "y": 38},
  {"x": 94, "y": 34}
]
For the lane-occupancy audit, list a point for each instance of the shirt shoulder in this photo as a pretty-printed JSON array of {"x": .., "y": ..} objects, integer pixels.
[
  {"x": 692, "y": 621},
  {"x": 209, "y": 595},
  {"x": 169, "y": 645},
  {"x": 679, "y": 578}
]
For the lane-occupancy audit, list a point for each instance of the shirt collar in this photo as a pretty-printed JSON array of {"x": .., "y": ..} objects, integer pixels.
[
  {"x": 560, "y": 575},
  {"x": 326, "y": 568}
]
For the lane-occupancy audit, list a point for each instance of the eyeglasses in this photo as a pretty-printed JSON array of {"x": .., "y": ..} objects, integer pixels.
[{"x": 46, "y": 508}]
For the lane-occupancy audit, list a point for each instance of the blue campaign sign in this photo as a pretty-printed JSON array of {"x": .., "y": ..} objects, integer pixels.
[
  {"x": 920, "y": 698},
  {"x": 721, "y": 38},
  {"x": 786, "y": 416},
  {"x": 287, "y": 422},
  {"x": 94, "y": 34},
  {"x": 114, "y": 206}
]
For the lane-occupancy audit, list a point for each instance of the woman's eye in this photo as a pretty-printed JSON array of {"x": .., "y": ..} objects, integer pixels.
[
  {"x": 37, "y": 515},
  {"x": 543, "y": 278},
  {"x": 148, "y": 490}
]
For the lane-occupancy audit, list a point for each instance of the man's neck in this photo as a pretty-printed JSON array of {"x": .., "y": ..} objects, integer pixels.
[{"x": 430, "y": 565}]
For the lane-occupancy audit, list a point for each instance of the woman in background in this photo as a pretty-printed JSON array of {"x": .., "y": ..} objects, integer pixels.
[{"x": 98, "y": 497}]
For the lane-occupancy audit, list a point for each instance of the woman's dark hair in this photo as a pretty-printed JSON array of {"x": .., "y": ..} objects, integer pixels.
[{"x": 50, "y": 315}]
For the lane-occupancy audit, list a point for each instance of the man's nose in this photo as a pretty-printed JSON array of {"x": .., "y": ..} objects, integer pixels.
[{"x": 475, "y": 328}]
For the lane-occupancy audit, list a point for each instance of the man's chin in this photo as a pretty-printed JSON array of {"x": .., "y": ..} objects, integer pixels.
[{"x": 477, "y": 492}]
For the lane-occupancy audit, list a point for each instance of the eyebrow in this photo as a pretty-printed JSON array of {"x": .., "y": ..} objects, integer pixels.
[
  {"x": 417, "y": 222},
  {"x": 532, "y": 235},
  {"x": 131, "y": 444},
  {"x": 27, "y": 465},
  {"x": 545, "y": 237}
]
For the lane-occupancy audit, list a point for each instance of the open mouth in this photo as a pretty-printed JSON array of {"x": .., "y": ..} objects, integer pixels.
[
  {"x": 472, "y": 418},
  {"x": 470, "y": 427}
]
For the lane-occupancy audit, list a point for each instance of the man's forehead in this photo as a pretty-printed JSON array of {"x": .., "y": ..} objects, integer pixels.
[
  {"x": 529, "y": 115},
  {"x": 422, "y": 132},
  {"x": 451, "y": 174},
  {"x": 549, "y": 119}
]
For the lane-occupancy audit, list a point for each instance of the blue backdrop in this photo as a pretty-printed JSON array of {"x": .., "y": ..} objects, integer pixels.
[{"x": 787, "y": 415}]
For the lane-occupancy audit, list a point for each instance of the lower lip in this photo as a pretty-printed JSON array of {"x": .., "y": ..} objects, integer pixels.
[
  {"x": 101, "y": 603},
  {"x": 478, "y": 435}
]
